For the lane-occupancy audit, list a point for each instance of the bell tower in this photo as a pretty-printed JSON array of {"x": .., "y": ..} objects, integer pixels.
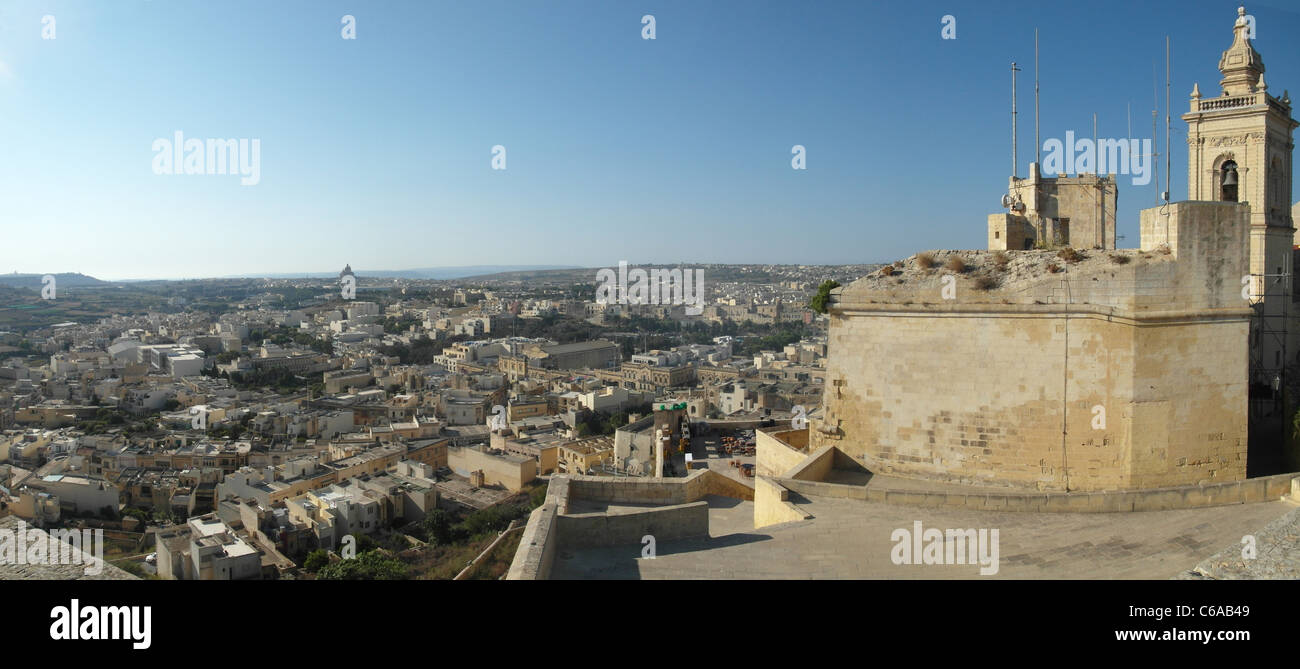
[{"x": 1239, "y": 147}]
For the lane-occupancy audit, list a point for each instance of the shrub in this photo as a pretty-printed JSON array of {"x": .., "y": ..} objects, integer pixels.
[
  {"x": 925, "y": 260},
  {"x": 492, "y": 519},
  {"x": 1000, "y": 260},
  {"x": 985, "y": 282},
  {"x": 821, "y": 301},
  {"x": 372, "y": 566},
  {"x": 132, "y": 568},
  {"x": 538, "y": 496},
  {"x": 1070, "y": 255},
  {"x": 1053, "y": 268},
  {"x": 395, "y": 542},
  {"x": 956, "y": 264},
  {"x": 1120, "y": 259},
  {"x": 365, "y": 543}
]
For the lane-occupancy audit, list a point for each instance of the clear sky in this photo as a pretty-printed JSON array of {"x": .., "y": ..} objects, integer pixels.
[{"x": 377, "y": 151}]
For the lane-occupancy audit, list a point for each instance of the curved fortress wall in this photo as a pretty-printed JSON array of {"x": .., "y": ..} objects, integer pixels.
[{"x": 1104, "y": 376}]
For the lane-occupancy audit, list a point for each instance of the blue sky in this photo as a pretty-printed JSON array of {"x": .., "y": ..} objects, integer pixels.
[{"x": 377, "y": 151}]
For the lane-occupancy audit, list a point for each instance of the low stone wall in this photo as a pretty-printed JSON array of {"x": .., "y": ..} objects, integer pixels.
[
  {"x": 772, "y": 504},
  {"x": 583, "y": 530},
  {"x": 745, "y": 424},
  {"x": 776, "y": 455},
  {"x": 628, "y": 490},
  {"x": 536, "y": 553},
  {"x": 678, "y": 513},
  {"x": 815, "y": 467},
  {"x": 1264, "y": 489},
  {"x": 705, "y": 482},
  {"x": 666, "y": 491}
]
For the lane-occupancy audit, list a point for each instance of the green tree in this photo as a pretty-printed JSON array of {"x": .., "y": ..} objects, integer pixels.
[
  {"x": 315, "y": 560},
  {"x": 821, "y": 301},
  {"x": 438, "y": 526}
]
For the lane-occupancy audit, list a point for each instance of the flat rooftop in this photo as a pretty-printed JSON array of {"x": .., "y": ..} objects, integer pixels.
[{"x": 851, "y": 539}]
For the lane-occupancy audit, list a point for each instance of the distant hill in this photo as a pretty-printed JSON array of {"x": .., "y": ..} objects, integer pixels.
[
  {"x": 557, "y": 275},
  {"x": 715, "y": 272},
  {"x": 419, "y": 273},
  {"x": 62, "y": 280}
]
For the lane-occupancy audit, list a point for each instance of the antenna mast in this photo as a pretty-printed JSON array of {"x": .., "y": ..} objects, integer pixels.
[
  {"x": 1101, "y": 201},
  {"x": 1155, "y": 141},
  {"x": 1169, "y": 151},
  {"x": 1038, "y": 143},
  {"x": 1015, "y": 158}
]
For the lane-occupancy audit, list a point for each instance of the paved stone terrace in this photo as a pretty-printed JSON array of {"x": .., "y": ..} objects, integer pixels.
[
  {"x": 850, "y": 539},
  {"x": 1277, "y": 554}
]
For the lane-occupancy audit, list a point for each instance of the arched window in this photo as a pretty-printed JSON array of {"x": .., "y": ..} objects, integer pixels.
[{"x": 1228, "y": 182}]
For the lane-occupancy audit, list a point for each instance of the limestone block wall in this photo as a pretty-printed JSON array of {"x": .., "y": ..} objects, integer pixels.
[
  {"x": 1112, "y": 376},
  {"x": 1188, "y": 412},
  {"x": 1211, "y": 247},
  {"x": 1040, "y": 400},
  {"x": 664, "y": 523}
]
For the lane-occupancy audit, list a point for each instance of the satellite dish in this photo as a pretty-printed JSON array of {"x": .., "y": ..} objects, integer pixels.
[{"x": 1006, "y": 200}]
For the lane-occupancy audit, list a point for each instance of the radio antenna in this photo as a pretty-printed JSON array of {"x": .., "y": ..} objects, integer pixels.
[
  {"x": 1155, "y": 141},
  {"x": 1015, "y": 158},
  {"x": 1169, "y": 170}
]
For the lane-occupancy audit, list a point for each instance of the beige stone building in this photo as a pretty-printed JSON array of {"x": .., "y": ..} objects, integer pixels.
[
  {"x": 1240, "y": 149},
  {"x": 1051, "y": 212},
  {"x": 493, "y": 468},
  {"x": 583, "y": 455}
]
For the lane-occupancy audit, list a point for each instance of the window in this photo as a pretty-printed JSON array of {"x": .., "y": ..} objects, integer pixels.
[{"x": 1228, "y": 182}]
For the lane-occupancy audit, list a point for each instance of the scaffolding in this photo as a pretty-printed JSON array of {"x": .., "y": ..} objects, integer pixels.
[{"x": 1270, "y": 323}]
